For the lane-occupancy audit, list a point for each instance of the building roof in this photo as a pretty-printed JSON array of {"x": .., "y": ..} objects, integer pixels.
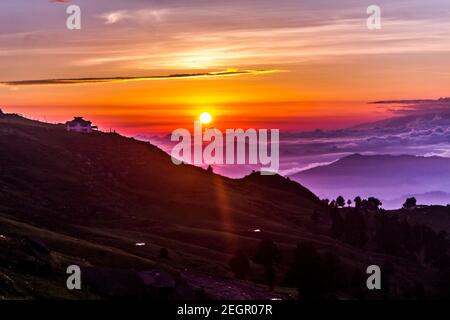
[{"x": 80, "y": 121}]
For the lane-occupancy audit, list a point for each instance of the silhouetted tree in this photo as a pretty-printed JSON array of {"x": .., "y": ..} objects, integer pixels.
[
  {"x": 443, "y": 285},
  {"x": 315, "y": 216},
  {"x": 314, "y": 275},
  {"x": 387, "y": 272},
  {"x": 337, "y": 223},
  {"x": 406, "y": 239},
  {"x": 349, "y": 202},
  {"x": 440, "y": 257},
  {"x": 388, "y": 234},
  {"x": 417, "y": 238},
  {"x": 305, "y": 272},
  {"x": 357, "y": 202},
  {"x": 429, "y": 244},
  {"x": 442, "y": 244},
  {"x": 270, "y": 276},
  {"x": 355, "y": 228},
  {"x": 333, "y": 204},
  {"x": 340, "y": 201},
  {"x": 364, "y": 204},
  {"x": 267, "y": 255},
  {"x": 410, "y": 203},
  {"x": 358, "y": 283},
  {"x": 374, "y": 203},
  {"x": 330, "y": 273},
  {"x": 164, "y": 253},
  {"x": 240, "y": 264}
]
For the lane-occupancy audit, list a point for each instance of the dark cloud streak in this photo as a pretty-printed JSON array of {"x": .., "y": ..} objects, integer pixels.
[
  {"x": 226, "y": 73},
  {"x": 415, "y": 107}
]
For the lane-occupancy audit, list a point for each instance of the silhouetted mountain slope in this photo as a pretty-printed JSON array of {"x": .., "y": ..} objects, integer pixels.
[
  {"x": 115, "y": 191},
  {"x": 108, "y": 201},
  {"x": 111, "y": 177},
  {"x": 383, "y": 176}
]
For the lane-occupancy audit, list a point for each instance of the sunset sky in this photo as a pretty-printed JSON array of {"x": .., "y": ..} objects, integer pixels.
[{"x": 321, "y": 64}]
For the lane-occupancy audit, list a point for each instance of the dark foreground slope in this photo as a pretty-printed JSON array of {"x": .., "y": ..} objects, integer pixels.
[
  {"x": 49, "y": 175},
  {"x": 91, "y": 198}
]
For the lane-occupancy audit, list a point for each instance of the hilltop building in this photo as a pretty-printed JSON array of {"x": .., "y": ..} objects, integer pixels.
[{"x": 78, "y": 124}]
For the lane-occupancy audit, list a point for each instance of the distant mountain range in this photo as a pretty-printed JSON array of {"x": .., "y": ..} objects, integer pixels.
[
  {"x": 388, "y": 177},
  {"x": 417, "y": 127}
]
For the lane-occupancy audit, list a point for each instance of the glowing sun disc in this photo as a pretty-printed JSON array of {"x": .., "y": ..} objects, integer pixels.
[{"x": 205, "y": 118}]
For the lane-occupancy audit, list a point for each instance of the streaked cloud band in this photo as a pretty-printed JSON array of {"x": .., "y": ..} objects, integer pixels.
[{"x": 226, "y": 73}]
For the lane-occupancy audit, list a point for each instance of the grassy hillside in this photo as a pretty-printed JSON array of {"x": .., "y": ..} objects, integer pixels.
[{"x": 92, "y": 197}]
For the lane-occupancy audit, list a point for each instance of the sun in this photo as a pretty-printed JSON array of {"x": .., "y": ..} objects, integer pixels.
[{"x": 205, "y": 118}]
